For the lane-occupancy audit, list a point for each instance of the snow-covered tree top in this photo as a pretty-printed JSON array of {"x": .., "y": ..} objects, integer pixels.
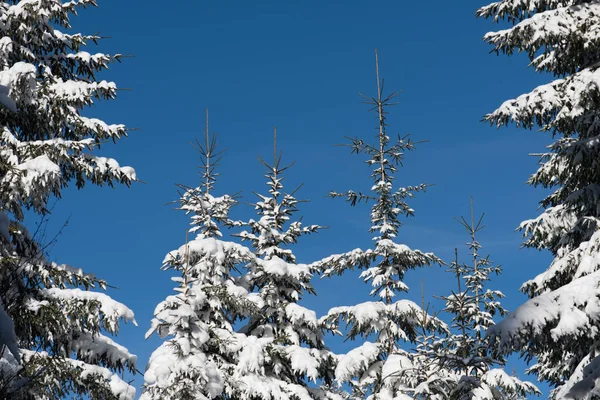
[
  {"x": 208, "y": 212},
  {"x": 387, "y": 263},
  {"x": 283, "y": 353},
  {"x": 385, "y": 156},
  {"x": 273, "y": 230}
]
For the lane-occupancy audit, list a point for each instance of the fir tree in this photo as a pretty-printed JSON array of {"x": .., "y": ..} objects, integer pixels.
[
  {"x": 559, "y": 325},
  {"x": 46, "y": 81},
  {"x": 367, "y": 368},
  {"x": 199, "y": 359},
  {"x": 284, "y": 347}
]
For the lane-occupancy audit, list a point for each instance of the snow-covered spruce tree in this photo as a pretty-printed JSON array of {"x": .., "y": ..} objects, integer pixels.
[
  {"x": 198, "y": 360},
  {"x": 559, "y": 325},
  {"x": 9, "y": 349},
  {"x": 466, "y": 354},
  {"x": 284, "y": 355},
  {"x": 368, "y": 368},
  {"x": 46, "y": 81}
]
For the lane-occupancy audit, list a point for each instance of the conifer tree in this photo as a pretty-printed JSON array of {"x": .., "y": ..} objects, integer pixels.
[
  {"x": 284, "y": 356},
  {"x": 466, "y": 353},
  {"x": 199, "y": 359},
  {"x": 389, "y": 322},
  {"x": 559, "y": 325},
  {"x": 461, "y": 364},
  {"x": 60, "y": 323},
  {"x": 10, "y": 358}
]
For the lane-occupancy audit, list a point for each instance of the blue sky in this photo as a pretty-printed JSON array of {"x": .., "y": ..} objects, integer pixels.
[{"x": 300, "y": 67}]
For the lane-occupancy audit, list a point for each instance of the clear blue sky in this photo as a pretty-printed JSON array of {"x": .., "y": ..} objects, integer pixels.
[{"x": 300, "y": 66}]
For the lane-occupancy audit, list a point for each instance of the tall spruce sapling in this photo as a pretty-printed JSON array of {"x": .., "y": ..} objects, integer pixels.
[
  {"x": 462, "y": 364},
  {"x": 285, "y": 355},
  {"x": 200, "y": 357},
  {"x": 558, "y": 326},
  {"x": 467, "y": 353},
  {"x": 389, "y": 323},
  {"x": 62, "y": 326}
]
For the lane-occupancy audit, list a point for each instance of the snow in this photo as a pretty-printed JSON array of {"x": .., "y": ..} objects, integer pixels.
[
  {"x": 129, "y": 172},
  {"x": 579, "y": 262},
  {"x": 301, "y": 315},
  {"x": 498, "y": 378},
  {"x": 119, "y": 388},
  {"x": 101, "y": 128},
  {"x": 355, "y": 361},
  {"x": 303, "y": 361},
  {"x": 81, "y": 91},
  {"x": 111, "y": 309},
  {"x": 515, "y": 9},
  {"x": 559, "y": 103},
  {"x": 18, "y": 84},
  {"x": 390, "y": 246},
  {"x": 165, "y": 365},
  {"x": 363, "y": 314},
  {"x": 210, "y": 249},
  {"x": 93, "y": 348},
  {"x": 38, "y": 168},
  {"x": 400, "y": 256},
  {"x": 372, "y": 314},
  {"x": 568, "y": 311},
  {"x": 338, "y": 263},
  {"x": 251, "y": 358},
  {"x": 578, "y": 23},
  {"x": 584, "y": 383},
  {"x": 277, "y": 266},
  {"x": 395, "y": 365},
  {"x": 110, "y": 166},
  {"x": 266, "y": 387},
  {"x": 548, "y": 226}
]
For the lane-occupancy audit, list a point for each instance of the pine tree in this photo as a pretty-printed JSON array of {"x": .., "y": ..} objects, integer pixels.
[
  {"x": 466, "y": 354},
  {"x": 559, "y": 325},
  {"x": 199, "y": 359},
  {"x": 60, "y": 324},
  {"x": 284, "y": 350},
  {"x": 368, "y": 368}
]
